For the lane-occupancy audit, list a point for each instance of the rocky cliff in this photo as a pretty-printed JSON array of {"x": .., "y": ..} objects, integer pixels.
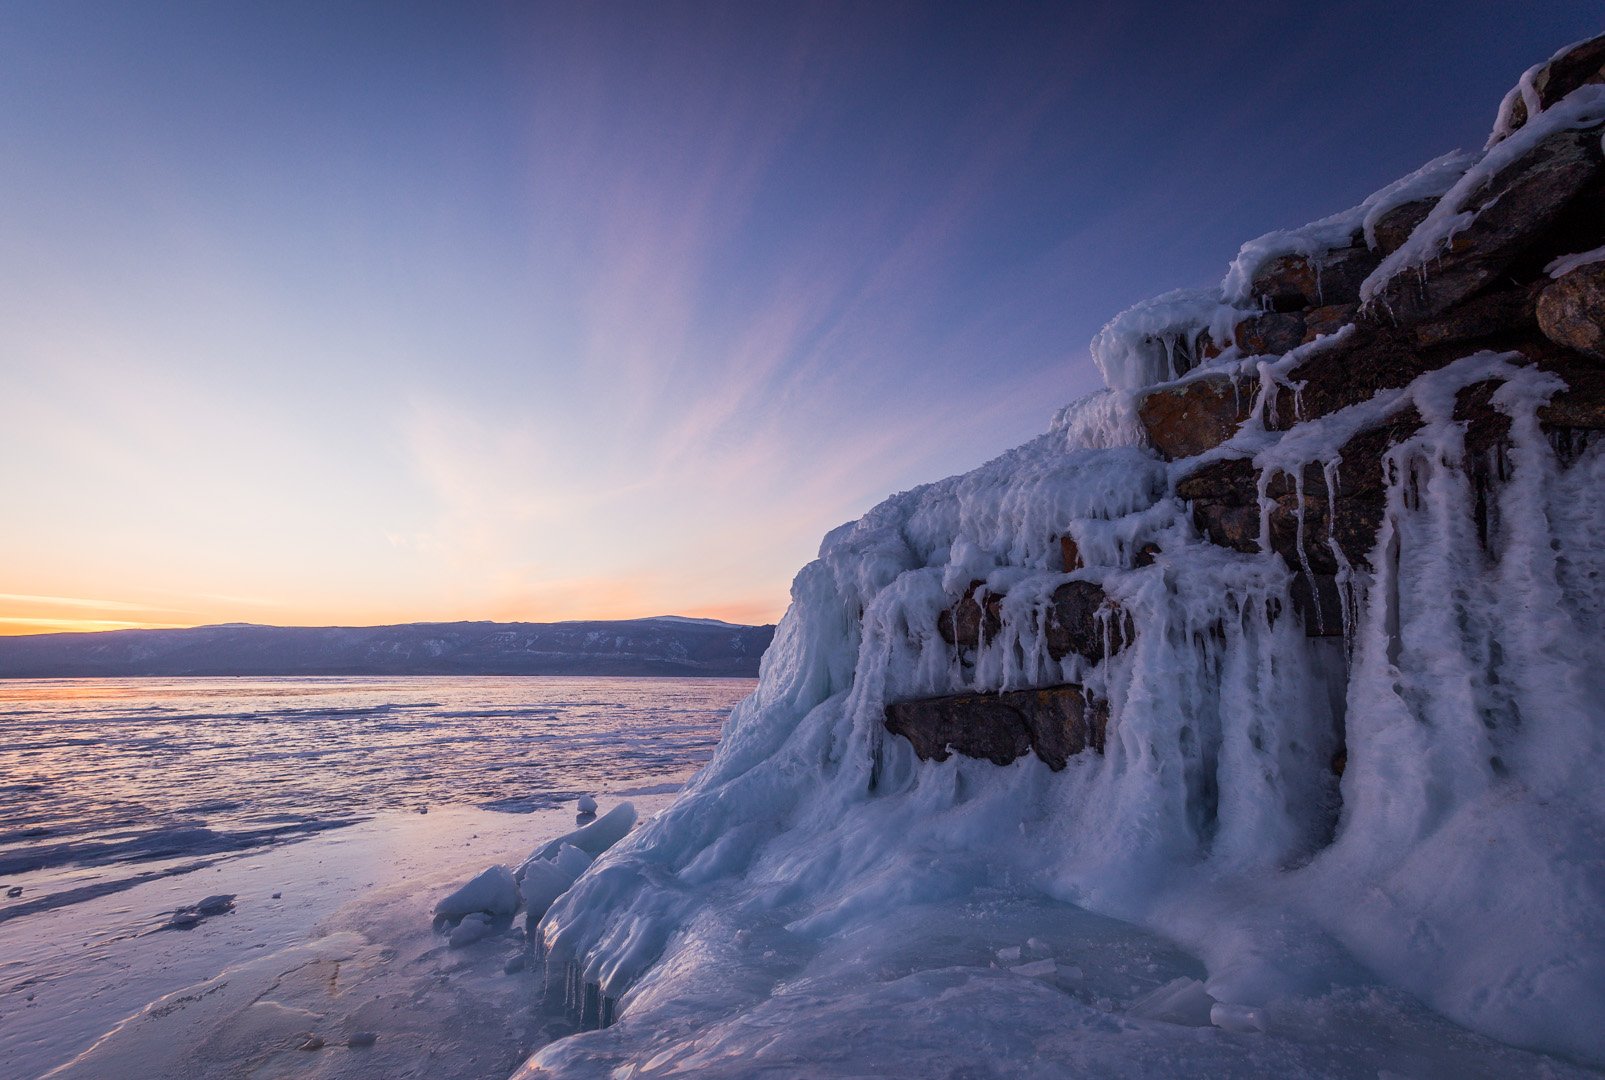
[
  {"x": 1289, "y": 646},
  {"x": 1500, "y": 256}
]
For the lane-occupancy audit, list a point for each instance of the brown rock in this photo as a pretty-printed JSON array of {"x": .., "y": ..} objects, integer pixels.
[
  {"x": 1285, "y": 284},
  {"x": 1581, "y": 406},
  {"x": 1188, "y": 418},
  {"x": 1291, "y": 283},
  {"x": 1516, "y": 213},
  {"x": 1393, "y": 228},
  {"x": 1057, "y": 723},
  {"x": 1069, "y": 553},
  {"x": 1380, "y": 357},
  {"x": 1328, "y": 320},
  {"x": 1270, "y": 334},
  {"x": 1075, "y": 625},
  {"x": 1225, "y": 500},
  {"x": 1225, "y": 507},
  {"x": 970, "y": 621},
  {"x": 1571, "y": 311},
  {"x": 1487, "y": 316}
]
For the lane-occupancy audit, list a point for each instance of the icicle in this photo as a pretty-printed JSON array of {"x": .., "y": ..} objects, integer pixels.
[
  {"x": 1303, "y": 556},
  {"x": 1262, "y": 483},
  {"x": 1345, "y": 572}
]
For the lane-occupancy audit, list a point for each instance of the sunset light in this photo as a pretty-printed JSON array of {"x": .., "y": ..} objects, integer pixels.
[{"x": 802, "y": 540}]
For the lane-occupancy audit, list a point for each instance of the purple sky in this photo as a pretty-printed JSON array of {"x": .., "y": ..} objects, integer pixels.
[{"x": 360, "y": 313}]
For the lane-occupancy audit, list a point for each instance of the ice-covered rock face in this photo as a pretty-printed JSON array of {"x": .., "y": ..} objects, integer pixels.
[{"x": 1354, "y": 729}]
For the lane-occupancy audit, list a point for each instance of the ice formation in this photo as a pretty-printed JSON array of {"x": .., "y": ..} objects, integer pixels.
[{"x": 1406, "y": 802}]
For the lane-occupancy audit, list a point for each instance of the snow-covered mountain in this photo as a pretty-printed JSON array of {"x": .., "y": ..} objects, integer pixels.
[
  {"x": 1286, "y": 651},
  {"x": 661, "y": 646}
]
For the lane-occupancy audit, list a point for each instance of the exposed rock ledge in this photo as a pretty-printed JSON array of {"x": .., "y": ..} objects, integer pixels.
[{"x": 1056, "y": 722}]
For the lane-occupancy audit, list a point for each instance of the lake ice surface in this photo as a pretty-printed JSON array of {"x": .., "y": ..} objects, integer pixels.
[
  {"x": 122, "y": 800},
  {"x": 108, "y": 782}
]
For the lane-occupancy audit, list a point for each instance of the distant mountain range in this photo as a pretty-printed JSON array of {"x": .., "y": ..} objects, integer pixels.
[{"x": 667, "y": 645}]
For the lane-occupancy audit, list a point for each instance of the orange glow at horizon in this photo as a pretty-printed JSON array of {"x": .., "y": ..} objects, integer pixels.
[{"x": 23, "y": 615}]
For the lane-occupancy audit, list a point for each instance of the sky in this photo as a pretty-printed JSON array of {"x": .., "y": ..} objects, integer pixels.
[{"x": 338, "y": 313}]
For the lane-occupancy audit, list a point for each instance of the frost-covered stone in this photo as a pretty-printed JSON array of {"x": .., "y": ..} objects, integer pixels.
[
  {"x": 1496, "y": 225},
  {"x": 1270, "y": 334},
  {"x": 1543, "y": 85},
  {"x": 1328, "y": 319},
  {"x": 1296, "y": 281},
  {"x": 1069, "y": 554},
  {"x": 1393, "y": 228},
  {"x": 1571, "y": 311},
  {"x": 1187, "y": 418},
  {"x": 975, "y": 618},
  {"x": 1081, "y": 620},
  {"x": 1503, "y": 314}
]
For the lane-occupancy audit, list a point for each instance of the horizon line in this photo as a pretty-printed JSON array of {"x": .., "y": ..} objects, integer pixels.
[{"x": 65, "y": 627}]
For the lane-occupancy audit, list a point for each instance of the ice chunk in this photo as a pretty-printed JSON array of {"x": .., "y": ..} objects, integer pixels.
[
  {"x": 1240, "y": 1019},
  {"x": 1010, "y": 954},
  {"x": 216, "y": 905},
  {"x": 595, "y": 838},
  {"x": 571, "y": 860},
  {"x": 473, "y": 928},
  {"x": 1180, "y": 1001},
  {"x": 1035, "y": 969},
  {"x": 493, "y": 892},
  {"x": 585, "y": 804},
  {"x": 542, "y": 882}
]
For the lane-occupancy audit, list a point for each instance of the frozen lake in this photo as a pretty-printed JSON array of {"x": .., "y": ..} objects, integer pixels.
[
  {"x": 105, "y": 783},
  {"x": 121, "y": 800}
]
